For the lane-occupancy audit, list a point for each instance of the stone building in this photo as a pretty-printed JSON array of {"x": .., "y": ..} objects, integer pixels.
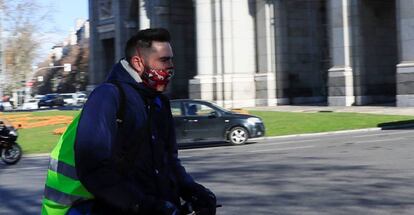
[{"x": 241, "y": 53}]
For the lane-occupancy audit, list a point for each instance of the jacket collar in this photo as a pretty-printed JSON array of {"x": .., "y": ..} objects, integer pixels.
[
  {"x": 131, "y": 71},
  {"x": 123, "y": 72}
]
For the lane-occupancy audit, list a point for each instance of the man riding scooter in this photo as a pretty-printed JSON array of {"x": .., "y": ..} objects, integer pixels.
[{"x": 123, "y": 157}]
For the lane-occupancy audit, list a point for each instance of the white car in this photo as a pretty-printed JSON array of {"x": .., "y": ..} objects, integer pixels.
[
  {"x": 81, "y": 98},
  {"x": 38, "y": 97},
  {"x": 69, "y": 98},
  {"x": 30, "y": 104},
  {"x": 5, "y": 106}
]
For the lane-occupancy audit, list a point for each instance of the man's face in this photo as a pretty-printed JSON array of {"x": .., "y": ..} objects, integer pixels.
[{"x": 159, "y": 57}]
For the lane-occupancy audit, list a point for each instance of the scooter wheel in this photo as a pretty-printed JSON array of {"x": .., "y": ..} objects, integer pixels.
[{"x": 11, "y": 155}]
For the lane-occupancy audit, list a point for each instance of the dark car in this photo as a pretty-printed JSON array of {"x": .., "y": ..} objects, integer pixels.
[
  {"x": 51, "y": 100},
  {"x": 198, "y": 121}
]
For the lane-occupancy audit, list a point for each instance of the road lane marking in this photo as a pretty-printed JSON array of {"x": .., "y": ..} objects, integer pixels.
[
  {"x": 282, "y": 149},
  {"x": 383, "y": 133},
  {"x": 237, "y": 153},
  {"x": 322, "y": 134},
  {"x": 382, "y": 140},
  {"x": 23, "y": 168},
  {"x": 292, "y": 140},
  {"x": 259, "y": 145},
  {"x": 287, "y": 142}
]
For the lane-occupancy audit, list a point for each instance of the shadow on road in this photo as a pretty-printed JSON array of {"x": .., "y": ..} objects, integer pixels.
[
  {"x": 18, "y": 201},
  {"x": 17, "y": 196},
  {"x": 303, "y": 185}
]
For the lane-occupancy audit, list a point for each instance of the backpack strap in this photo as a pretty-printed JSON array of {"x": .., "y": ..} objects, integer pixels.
[
  {"x": 120, "y": 114},
  {"x": 127, "y": 154}
]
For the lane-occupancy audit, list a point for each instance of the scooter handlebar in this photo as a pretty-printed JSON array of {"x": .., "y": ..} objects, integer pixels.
[{"x": 187, "y": 209}]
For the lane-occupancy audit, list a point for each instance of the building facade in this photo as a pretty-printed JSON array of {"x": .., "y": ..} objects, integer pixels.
[{"x": 241, "y": 53}]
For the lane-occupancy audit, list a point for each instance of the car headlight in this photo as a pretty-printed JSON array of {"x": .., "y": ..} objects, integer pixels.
[{"x": 254, "y": 120}]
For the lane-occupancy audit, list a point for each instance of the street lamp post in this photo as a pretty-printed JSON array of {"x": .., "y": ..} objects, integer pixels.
[{"x": 67, "y": 67}]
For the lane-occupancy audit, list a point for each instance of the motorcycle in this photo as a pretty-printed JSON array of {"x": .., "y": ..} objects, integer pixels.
[{"x": 10, "y": 151}]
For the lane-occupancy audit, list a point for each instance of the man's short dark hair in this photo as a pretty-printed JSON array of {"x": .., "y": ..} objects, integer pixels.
[{"x": 143, "y": 40}]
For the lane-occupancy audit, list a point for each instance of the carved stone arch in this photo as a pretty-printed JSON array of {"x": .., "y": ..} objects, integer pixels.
[{"x": 105, "y": 9}]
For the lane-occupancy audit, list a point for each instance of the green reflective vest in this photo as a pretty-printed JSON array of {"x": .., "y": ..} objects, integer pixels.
[{"x": 63, "y": 188}]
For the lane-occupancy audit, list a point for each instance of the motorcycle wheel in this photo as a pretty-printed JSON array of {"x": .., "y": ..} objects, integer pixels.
[{"x": 12, "y": 154}]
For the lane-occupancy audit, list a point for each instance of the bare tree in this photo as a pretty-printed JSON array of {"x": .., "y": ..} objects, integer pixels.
[{"x": 22, "y": 28}]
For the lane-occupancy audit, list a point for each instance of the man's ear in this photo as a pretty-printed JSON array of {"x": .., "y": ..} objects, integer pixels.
[{"x": 138, "y": 64}]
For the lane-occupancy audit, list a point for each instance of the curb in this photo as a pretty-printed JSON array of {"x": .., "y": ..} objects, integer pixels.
[
  {"x": 319, "y": 133},
  {"x": 410, "y": 125}
]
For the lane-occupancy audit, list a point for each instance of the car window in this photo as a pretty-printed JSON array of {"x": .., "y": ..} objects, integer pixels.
[
  {"x": 176, "y": 109},
  {"x": 197, "y": 109},
  {"x": 50, "y": 96}
]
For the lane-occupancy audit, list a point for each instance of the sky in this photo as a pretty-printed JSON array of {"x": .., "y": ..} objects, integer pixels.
[{"x": 63, "y": 14}]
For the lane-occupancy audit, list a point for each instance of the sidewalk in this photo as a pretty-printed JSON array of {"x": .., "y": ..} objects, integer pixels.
[{"x": 387, "y": 110}]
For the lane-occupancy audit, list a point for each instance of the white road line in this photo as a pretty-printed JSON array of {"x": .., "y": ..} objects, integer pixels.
[
  {"x": 237, "y": 153},
  {"x": 382, "y": 140},
  {"x": 290, "y": 141},
  {"x": 259, "y": 145},
  {"x": 282, "y": 149},
  {"x": 24, "y": 168},
  {"x": 323, "y": 144},
  {"x": 324, "y": 138},
  {"x": 322, "y": 133},
  {"x": 383, "y": 133}
]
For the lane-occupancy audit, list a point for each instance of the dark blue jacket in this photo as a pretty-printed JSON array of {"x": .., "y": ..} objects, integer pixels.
[{"x": 156, "y": 173}]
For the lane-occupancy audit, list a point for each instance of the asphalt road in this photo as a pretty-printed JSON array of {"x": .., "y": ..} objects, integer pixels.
[{"x": 353, "y": 173}]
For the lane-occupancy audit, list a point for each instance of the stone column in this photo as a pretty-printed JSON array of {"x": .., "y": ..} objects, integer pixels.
[
  {"x": 225, "y": 52},
  {"x": 239, "y": 52},
  {"x": 154, "y": 13},
  {"x": 201, "y": 86},
  {"x": 265, "y": 79},
  {"x": 405, "y": 67},
  {"x": 340, "y": 75},
  {"x": 144, "y": 14}
]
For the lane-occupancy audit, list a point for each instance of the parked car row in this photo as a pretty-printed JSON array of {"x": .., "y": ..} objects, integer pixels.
[
  {"x": 64, "y": 99},
  {"x": 51, "y": 100},
  {"x": 5, "y": 106},
  {"x": 74, "y": 98}
]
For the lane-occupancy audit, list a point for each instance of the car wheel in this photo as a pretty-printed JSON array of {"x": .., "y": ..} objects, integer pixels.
[{"x": 238, "y": 135}]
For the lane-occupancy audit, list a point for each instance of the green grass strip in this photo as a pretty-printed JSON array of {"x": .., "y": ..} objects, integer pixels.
[
  {"x": 286, "y": 123},
  {"x": 42, "y": 140}
]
